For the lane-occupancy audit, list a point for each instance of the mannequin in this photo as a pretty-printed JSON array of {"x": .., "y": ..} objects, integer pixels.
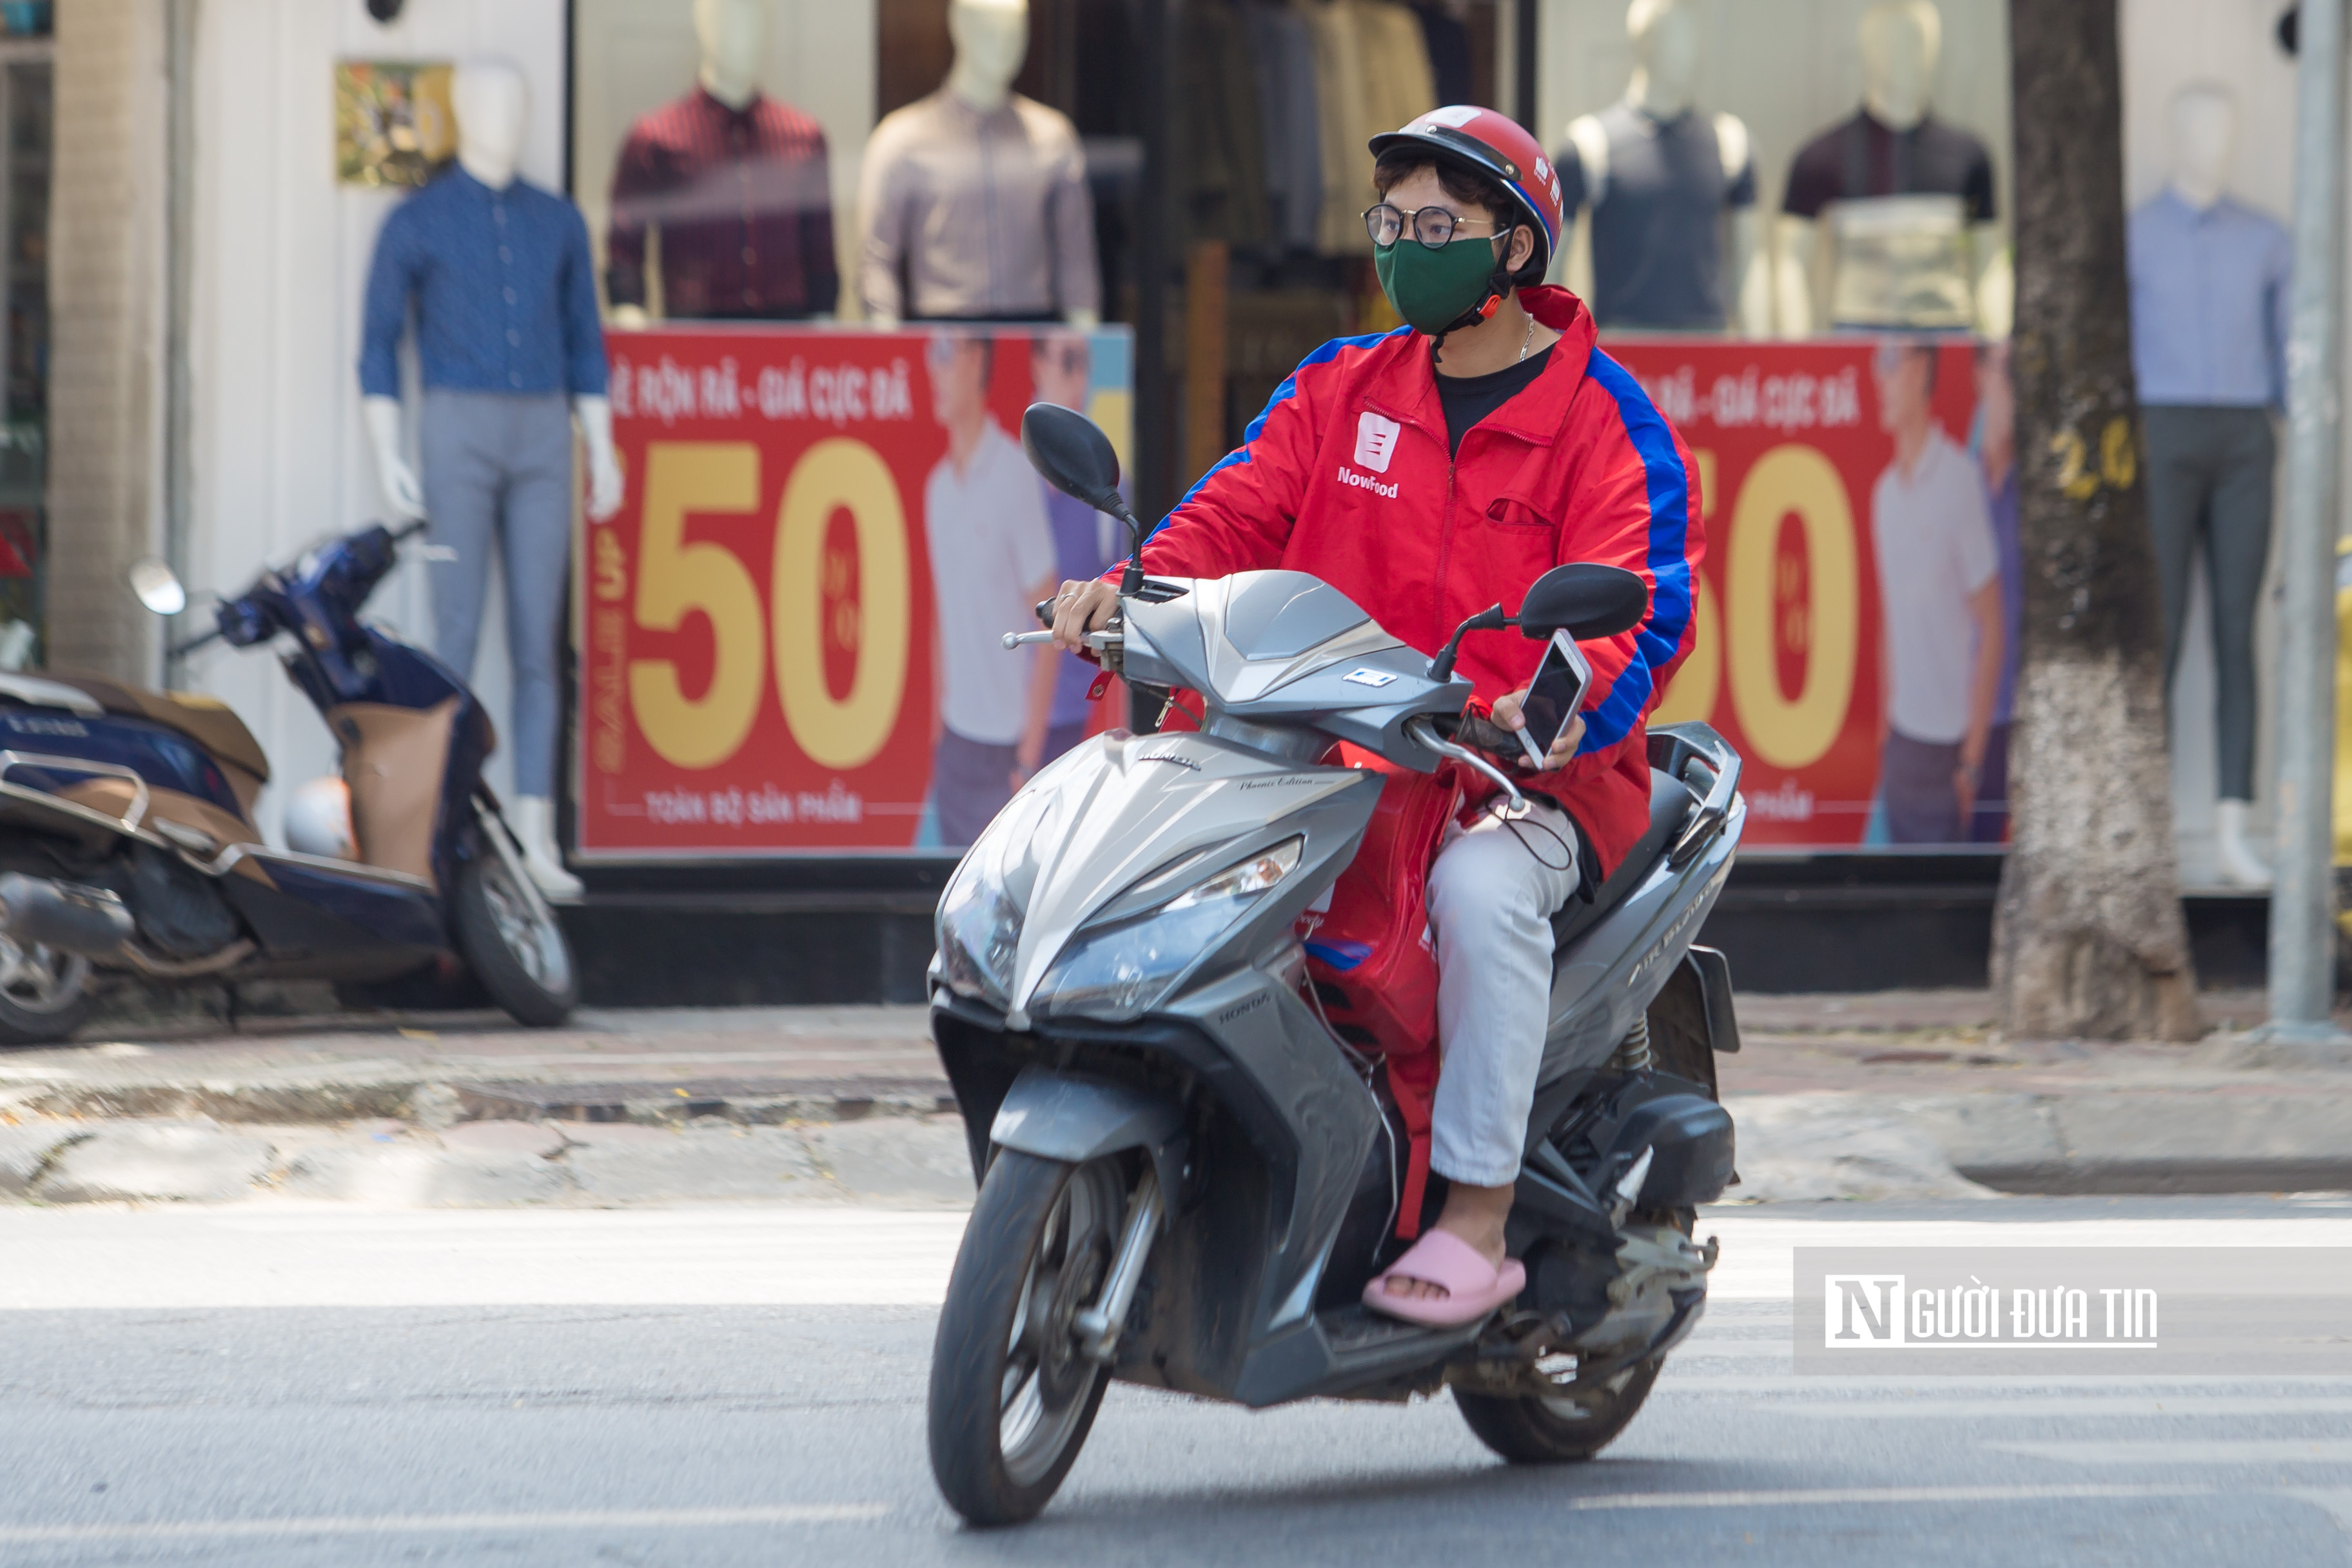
[
  {"x": 496, "y": 429},
  {"x": 1652, "y": 257},
  {"x": 2209, "y": 305},
  {"x": 1907, "y": 255},
  {"x": 736, "y": 186},
  {"x": 978, "y": 195}
]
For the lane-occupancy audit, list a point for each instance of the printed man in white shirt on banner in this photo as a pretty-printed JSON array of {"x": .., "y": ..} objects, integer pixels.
[
  {"x": 992, "y": 561},
  {"x": 1940, "y": 611}
]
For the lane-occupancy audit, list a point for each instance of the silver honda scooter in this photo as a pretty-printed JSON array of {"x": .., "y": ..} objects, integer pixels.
[{"x": 1187, "y": 1176}]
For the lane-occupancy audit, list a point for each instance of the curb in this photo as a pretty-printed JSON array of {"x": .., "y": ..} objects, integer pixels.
[
  {"x": 2103, "y": 1141},
  {"x": 432, "y": 1102}
]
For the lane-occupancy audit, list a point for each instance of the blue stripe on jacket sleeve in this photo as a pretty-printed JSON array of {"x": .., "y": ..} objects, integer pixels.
[
  {"x": 1283, "y": 394},
  {"x": 1669, "y": 559}
]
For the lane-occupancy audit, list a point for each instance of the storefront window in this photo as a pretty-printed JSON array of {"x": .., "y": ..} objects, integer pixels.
[
  {"x": 1802, "y": 251},
  {"x": 839, "y": 250}
]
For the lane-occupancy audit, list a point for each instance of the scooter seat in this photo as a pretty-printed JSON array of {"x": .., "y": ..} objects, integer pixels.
[
  {"x": 207, "y": 721},
  {"x": 1671, "y": 802}
]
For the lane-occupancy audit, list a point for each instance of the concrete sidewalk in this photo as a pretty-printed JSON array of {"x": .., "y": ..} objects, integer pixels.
[{"x": 1899, "y": 1094}]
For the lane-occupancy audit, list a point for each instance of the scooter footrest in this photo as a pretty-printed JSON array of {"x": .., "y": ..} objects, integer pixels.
[{"x": 1355, "y": 1329}]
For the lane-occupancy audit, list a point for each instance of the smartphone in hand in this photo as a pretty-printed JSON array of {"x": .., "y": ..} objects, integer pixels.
[{"x": 1552, "y": 696}]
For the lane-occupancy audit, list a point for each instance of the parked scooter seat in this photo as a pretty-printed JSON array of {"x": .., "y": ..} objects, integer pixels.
[
  {"x": 208, "y": 721},
  {"x": 1671, "y": 804}
]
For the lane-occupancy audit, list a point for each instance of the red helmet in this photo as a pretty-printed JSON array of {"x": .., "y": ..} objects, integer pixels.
[{"x": 1488, "y": 143}]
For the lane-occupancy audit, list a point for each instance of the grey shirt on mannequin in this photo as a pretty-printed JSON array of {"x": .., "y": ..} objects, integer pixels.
[{"x": 1657, "y": 221}]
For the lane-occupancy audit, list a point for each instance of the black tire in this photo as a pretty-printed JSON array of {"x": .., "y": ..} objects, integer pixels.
[
  {"x": 1538, "y": 1430},
  {"x": 1038, "y": 1247},
  {"x": 44, "y": 995},
  {"x": 512, "y": 941}
]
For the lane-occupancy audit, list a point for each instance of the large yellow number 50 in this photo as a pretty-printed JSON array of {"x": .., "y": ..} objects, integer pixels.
[
  {"x": 840, "y": 472},
  {"x": 675, "y": 579}
]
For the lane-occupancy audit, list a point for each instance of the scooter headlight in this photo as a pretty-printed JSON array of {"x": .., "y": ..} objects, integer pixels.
[
  {"x": 1117, "y": 971},
  {"x": 980, "y": 916}
]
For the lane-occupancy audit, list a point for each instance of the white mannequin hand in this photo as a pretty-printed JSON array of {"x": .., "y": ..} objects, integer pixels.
[
  {"x": 402, "y": 494},
  {"x": 605, "y": 482}
]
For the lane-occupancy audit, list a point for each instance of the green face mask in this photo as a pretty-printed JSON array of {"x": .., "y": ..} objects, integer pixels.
[{"x": 1433, "y": 289}]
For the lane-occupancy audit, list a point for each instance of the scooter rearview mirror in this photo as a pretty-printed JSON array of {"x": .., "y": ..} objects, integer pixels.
[
  {"x": 1585, "y": 600},
  {"x": 1072, "y": 454},
  {"x": 157, "y": 586},
  {"x": 1076, "y": 458}
]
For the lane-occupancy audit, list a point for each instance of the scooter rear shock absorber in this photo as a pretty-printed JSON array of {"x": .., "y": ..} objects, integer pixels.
[{"x": 1633, "y": 1051}]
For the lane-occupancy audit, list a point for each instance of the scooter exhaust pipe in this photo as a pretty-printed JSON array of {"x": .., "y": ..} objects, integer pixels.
[{"x": 68, "y": 916}]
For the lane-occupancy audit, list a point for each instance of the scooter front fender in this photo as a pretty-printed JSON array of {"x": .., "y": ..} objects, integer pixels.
[{"x": 1059, "y": 1116}]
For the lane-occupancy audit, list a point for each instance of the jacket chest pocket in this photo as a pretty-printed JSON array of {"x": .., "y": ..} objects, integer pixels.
[
  {"x": 1519, "y": 542},
  {"x": 1518, "y": 514}
]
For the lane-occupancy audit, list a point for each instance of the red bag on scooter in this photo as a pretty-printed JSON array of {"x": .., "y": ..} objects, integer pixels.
[{"x": 1371, "y": 956}]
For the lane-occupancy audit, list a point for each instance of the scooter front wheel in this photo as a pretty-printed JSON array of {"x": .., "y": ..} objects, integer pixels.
[
  {"x": 510, "y": 937},
  {"x": 1013, "y": 1394}
]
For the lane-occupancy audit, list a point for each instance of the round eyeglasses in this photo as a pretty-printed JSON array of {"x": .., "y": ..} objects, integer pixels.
[{"x": 1433, "y": 226}]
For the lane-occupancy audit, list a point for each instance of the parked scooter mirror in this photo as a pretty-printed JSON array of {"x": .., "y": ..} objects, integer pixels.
[
  {"x": 157, "y": 586},
  {"x": 1585, "y": 600}
]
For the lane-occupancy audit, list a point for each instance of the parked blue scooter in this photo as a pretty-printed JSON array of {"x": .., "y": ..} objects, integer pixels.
[{"x": 128, "y": 844}]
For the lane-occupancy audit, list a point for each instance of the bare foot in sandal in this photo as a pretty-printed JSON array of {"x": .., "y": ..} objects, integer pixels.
[{"x": 1463, "y": 1255}]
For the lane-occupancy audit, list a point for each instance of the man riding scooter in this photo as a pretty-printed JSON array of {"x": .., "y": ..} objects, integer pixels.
[{"x": 1427, "y": 473}]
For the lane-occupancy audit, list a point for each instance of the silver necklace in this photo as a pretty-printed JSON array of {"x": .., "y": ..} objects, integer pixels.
[{"x": 1526, "y": 340}]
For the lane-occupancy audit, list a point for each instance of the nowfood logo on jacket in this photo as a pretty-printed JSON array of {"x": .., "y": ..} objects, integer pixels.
[{"x": 1375, "y": 445}]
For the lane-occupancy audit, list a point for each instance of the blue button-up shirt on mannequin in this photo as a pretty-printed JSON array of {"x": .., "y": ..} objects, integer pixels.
[
  {"x": 2209, "y": 305},
  {"x": 505, "y": 293}
]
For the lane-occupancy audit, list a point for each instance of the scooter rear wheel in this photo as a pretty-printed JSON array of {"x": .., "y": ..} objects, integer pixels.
[
  {"x": 44, "y": 994},
  {"x": 511, "y": 940},
  {"x": 1551, "y": 1429},
  {"x": 1013, "y": 1397}
]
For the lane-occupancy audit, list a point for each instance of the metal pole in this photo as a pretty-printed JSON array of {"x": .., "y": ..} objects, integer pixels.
[
  {"x": 2303, "y": 946},
  {"x": 1523, "y": 65},
  {"x": 179, "y": 393}
]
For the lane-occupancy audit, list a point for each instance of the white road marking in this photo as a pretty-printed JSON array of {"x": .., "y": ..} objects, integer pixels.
[
  {"x": 1693, "y": 1382},
  {"x": 336, "y": 1256},
  {"x": 857, "y": 1513},
  {"x": 2244, "y": 1451},
  {"x": 287, "y": 1254},
  {"x": 2183, "y": 1407},
  {"x": 1840, "y": 1497},
  {"x": 442, "y": 1523}
]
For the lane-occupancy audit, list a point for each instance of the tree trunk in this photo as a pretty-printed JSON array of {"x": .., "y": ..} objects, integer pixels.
[{"x": 2089, "y": 941}]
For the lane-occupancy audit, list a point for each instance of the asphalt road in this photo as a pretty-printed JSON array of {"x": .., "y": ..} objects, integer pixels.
[{"x": 319, "y": 1386}]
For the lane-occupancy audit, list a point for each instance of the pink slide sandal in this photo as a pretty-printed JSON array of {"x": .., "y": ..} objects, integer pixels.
[{"x": 1471, "y": 1288}]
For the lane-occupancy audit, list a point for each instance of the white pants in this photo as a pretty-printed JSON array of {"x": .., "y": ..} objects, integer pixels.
[{"x": 1492, "y": 893}]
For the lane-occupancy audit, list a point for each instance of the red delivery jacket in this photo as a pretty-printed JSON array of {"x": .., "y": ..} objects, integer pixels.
[{"x": 1346, "y": 476}]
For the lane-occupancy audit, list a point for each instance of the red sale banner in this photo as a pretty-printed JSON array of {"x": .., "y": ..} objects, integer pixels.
[
  {"x": 788, "y": 634},
  {"x": 1858, "y": 613}
]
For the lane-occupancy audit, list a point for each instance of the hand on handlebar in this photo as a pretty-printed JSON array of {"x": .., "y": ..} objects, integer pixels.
[
  {"x": 1564, "y": 749},
  {"x": 1080, "y": 608}
]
